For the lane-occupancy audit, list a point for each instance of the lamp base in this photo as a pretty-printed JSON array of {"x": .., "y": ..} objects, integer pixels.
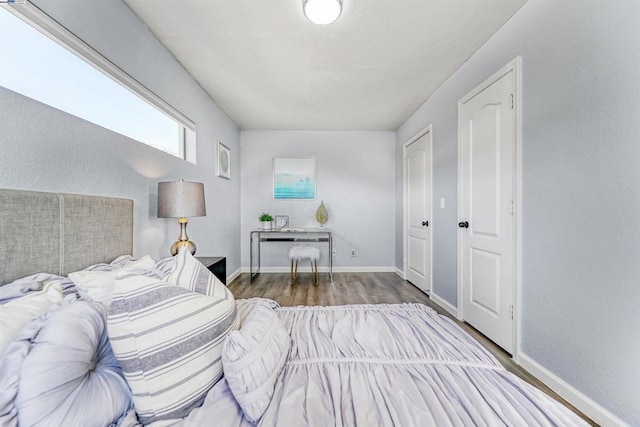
[
  {"x": 183, "y": 239},
  {"x": 175, "y": 248}
]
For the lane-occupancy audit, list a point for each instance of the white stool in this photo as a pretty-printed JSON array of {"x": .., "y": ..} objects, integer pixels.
[{"x": 296, "y": 253}]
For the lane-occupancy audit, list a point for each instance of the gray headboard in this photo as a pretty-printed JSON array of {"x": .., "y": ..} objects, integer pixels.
[{"x": 60, "y": 233}]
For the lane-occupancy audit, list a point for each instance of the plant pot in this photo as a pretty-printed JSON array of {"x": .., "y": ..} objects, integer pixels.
[{"x": 266, "y": 225}]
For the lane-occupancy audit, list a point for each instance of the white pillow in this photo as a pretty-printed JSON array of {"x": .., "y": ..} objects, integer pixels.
[
  {"x": 15, "y": 314},
  {"x": 98, "y": 285},
  {"x": 252, "y": 359},
  {"x": 168, "y": 341},
  {"x": 144, "y": 263},
  {"x": 95, "y": 285},
  {"x": 191, "y": 274}
]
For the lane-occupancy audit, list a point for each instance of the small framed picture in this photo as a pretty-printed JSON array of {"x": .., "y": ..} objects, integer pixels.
[
  {"x": 281, "y": 221},
  {"x": 224, "y": 161}
]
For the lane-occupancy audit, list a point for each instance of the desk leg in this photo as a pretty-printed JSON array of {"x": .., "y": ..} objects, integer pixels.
[
  {"x": 331, "y": 257},
  {"x": 251, "y": 255},
  {"x": 257, "y": 272}
]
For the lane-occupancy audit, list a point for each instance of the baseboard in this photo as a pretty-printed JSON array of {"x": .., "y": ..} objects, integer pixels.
[
  {"x": 572, "y": 395},
  {"x": 287, "y": 269},
  {"x": 307, "y": 269},
  {"x": 450, "y": 308},
  {"x": 233, "y": 275},
  {"x": 364, "y": 269},
  {"x": 400, "y": 273}
]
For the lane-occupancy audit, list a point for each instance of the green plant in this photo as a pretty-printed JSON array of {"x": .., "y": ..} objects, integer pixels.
[{"x": 266, "y": 217}]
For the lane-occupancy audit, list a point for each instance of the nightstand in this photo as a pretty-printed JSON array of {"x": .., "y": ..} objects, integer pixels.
[{"x": 217, "y": 265}]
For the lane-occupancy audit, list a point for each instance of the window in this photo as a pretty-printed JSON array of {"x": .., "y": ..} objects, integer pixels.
[{"x": 60, "y": 70}]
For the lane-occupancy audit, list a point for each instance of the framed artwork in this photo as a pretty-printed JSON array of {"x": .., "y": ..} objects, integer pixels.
[
  {"x": 281, "y": 221},
  {"x": 294, "y": 178},
  {"x": 224, "y": 161}
]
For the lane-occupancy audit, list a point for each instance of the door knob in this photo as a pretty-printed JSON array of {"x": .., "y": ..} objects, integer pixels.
[
  {"x": 463, "y": 224},
  {"x": 425, "y": 223}
]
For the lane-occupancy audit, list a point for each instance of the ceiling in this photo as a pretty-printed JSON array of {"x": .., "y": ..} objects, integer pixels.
[{"x": 269, "y": 68}]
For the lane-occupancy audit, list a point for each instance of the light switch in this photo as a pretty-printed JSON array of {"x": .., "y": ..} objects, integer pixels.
[{"x": 442, "y": 203}]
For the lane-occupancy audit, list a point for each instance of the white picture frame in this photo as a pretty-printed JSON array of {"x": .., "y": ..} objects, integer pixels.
[
  {"x": 224, "y": 161},
  {"x": 281, "y": 221}
]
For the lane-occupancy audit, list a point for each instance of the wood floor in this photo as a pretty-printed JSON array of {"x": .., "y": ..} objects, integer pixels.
[{"x": 364, "y": 288}]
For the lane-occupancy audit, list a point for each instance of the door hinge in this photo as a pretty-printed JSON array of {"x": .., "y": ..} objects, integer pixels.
[
  {"x": 511, "y": 312},
  {"x": 512, "y": 208},
  {"x": 511, "y": 101}
]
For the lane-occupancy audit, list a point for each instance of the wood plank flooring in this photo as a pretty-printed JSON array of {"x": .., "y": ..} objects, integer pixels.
[{"x": 365, "y": 288}]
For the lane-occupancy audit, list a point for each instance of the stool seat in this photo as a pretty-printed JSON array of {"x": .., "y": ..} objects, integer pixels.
[
  {"x": 297, "y": 253},
  {"x": 311, "y": 253}
]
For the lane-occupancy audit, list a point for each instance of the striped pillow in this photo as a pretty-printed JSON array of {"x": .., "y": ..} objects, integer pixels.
[
  {"x": 193, "y": 275},
  {"x": 168, "y": 341}
]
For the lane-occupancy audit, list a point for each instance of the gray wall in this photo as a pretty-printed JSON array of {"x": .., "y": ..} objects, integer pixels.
[
  {"x": 47, "y": 150},
  {"x": 581, "y": 179},
  {"x": 581, "y": 189},
  {"x": 355, "y": 179}
]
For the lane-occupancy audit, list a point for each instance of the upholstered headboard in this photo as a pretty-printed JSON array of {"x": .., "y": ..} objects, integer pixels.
[{"x": 60, "y": 233}]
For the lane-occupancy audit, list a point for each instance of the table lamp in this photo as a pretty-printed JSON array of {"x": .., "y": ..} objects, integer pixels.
[{"x": 181, "y": 199}]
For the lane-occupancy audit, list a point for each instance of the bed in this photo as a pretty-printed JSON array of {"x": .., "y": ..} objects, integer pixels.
[{"x": 127, "y": 342}]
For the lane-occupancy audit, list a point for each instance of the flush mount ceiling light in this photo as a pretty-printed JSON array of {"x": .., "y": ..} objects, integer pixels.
[{"x": 322, "y": 12}]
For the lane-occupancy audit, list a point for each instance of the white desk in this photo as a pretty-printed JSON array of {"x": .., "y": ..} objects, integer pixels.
[{"x": 288, "y": 235}]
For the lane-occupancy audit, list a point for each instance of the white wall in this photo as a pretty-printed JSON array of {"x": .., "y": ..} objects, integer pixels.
[
  {"x": 581, "y": 191},
  {"x": 45, "y": 149},
  {"x": 355, "y": 179}
]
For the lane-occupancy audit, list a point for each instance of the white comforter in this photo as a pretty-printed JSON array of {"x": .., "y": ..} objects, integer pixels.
[{"x": 386, "y": 365}]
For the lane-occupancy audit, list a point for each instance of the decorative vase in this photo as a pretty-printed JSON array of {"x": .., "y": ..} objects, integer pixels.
[
  {"x": 322, "y": 216},
  {"x": 266, "y": 225}
]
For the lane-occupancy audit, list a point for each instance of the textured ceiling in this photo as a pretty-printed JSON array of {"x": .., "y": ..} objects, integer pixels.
[{"x": 268, "y": 67}]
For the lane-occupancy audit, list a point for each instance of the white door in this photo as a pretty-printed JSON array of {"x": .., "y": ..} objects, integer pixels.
[
  {"x": 418, "y": 211},
  {"x": 487, "y": 126}
]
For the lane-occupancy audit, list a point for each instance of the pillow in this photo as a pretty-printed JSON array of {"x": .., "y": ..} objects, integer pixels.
[
  {"x": 165, "y": 266},
  {"x": 168, "y": 341},
  {"x": 120, "y": 261},
  {"x": 246, "y": 305},
  {"x": 62, "y": 372},
  {"x": 191, "y": 274},
  {"x": 252, "y": 359},
  {"x": 15, "y": 314},
  {"x": 97, "y": 285},
  {"x": 144, "y": 263}
]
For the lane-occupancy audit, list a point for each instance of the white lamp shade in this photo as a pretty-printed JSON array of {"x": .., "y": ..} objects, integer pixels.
[
  {"x": 180, "y": 199},
  {"x": 322, "y": 12}
]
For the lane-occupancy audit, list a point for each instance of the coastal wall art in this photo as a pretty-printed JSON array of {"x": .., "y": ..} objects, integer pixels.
[{"x": 294, "y": 178}]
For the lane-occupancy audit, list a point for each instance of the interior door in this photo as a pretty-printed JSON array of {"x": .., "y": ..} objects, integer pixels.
[
  {"x": 487, "y": 224},
  {"x": 418, "y": 212}
]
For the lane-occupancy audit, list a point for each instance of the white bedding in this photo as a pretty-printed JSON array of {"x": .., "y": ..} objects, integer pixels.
[
  {"x": 368, "y": 365},
  {"x": 400, "y": 365},
  {"x": 386, "y": 365}
]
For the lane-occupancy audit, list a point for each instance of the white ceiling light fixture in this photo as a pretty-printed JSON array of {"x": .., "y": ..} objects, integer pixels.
[{"x": 322, "y": 12}]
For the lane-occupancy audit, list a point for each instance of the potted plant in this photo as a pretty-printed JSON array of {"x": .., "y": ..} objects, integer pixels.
[{"x": 266, "y": 219}]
